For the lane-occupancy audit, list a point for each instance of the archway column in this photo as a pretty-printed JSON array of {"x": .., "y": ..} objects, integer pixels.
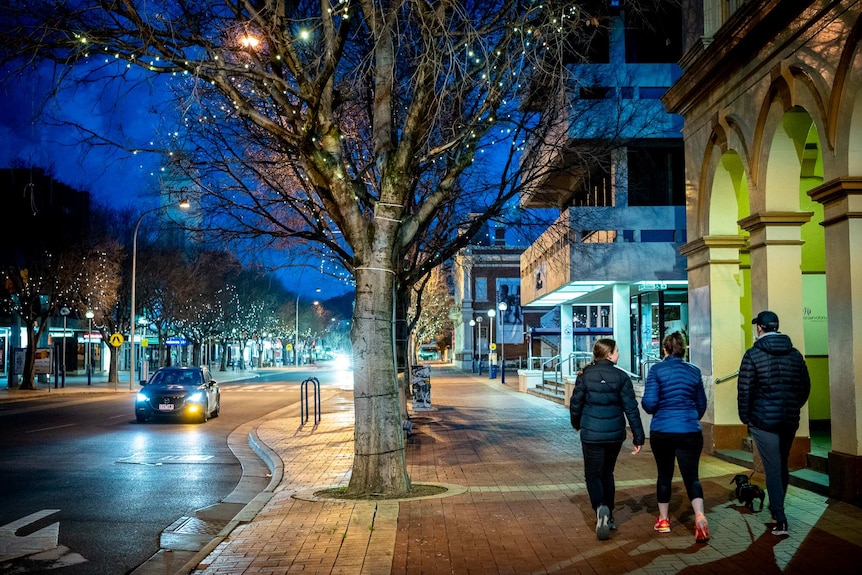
[
  {"x": 842, "y": 220},
  {"x": 715, "y": 285},
  {"x": 775, "y": 247}
]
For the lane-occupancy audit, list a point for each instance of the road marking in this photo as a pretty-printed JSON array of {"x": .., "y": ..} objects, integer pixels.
[
  {"x": 12, "y": 546},
  {"x": 50, "y": 428}
]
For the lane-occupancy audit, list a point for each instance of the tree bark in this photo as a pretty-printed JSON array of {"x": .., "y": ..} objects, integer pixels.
[{"x": 379, "y": 464}]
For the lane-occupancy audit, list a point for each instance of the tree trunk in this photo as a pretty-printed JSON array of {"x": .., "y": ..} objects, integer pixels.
[
  {"x": 113, "y": 365},
  {"x": 379, "y": 465},
  {"x": 28, "y": 377}
]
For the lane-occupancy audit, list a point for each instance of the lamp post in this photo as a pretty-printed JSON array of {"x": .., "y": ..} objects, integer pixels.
[
  {"x": 473, "y": 337},
  {"x": 88, "y": 355},
  {"x": 296, "y": 330},
  {"x": 64, "y": 311},
  {"x": 145, "y": 367},
  {"x": 183, "y": 204},
  {"x": 492, "y": 373},
  {"x": 479, "y": 341},
  {"x": 503, "y": 306},
  {"x": 296, "y": 334}
]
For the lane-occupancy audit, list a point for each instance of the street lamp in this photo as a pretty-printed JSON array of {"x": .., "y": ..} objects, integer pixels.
[
  {"x": 491, "y": 345},
  {"x": 145, "y": 363},
  {"x": 473, "y": 337},
  {"x": 183, "y": 204},
  {"x": 64, "y": 311},
  {"x": 296, "y": 330},
  {"x": 479, "y": 341},
  {"x": 503, "y": 306},
  {"x": 89, "y": 316}
]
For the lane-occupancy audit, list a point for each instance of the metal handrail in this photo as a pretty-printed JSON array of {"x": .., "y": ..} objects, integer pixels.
[
  {"x": 644, "y": 365},
  {"x": 557, "y": 371},
  {"x": 718, "y": 380}
]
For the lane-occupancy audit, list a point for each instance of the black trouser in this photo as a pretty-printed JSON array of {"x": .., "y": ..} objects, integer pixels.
[
  {"x": 685, "y": 449},
  {"x": 774, "y": 450},
  {"x": 599, "y": 462}
]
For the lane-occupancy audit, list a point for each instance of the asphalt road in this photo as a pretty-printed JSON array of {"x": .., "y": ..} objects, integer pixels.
[{"x": 79, "y": 470}]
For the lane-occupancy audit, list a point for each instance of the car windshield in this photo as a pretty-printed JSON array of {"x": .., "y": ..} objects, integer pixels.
[{"x": 176, "y": 377}]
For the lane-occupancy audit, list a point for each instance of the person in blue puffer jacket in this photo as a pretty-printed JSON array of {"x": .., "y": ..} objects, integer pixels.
[{"x": 675, "y": 397}]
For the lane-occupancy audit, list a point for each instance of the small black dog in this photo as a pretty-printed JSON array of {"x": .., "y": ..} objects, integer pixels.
[{"x": 747, "y": 492}]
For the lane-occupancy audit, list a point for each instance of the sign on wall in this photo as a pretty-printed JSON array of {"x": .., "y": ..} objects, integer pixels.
[{"x": 510, "y": 322}]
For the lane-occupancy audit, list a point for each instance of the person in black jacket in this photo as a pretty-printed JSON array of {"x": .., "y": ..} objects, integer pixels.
[
  {"x": 773, "y": 385},
  {"x": 601, "y": 402}
]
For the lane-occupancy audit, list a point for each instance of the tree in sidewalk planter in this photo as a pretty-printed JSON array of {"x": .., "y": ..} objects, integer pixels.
[
  {"x": 362, "y": 130},
  {"x": 81, "y": 278}
]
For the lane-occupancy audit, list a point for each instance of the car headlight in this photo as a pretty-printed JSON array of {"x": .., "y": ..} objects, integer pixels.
[
  {"x": 141, "y": 398},
  {"x": 196, "y": 396}
]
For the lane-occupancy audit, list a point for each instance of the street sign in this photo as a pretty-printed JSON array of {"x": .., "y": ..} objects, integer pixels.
[
  {"x": 493, "y": 346},
  {"x": 116, "y": 339},
  {"x": 145, "y": 342}
]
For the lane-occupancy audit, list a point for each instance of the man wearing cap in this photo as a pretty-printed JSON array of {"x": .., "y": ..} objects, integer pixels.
[{"x": 773, "y": 386}]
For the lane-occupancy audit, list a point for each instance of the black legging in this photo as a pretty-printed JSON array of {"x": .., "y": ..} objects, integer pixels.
[{"x": 685, "y": 448}]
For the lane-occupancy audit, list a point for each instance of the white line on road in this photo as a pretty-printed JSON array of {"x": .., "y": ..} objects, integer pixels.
[{"x": 50, "y": 428}]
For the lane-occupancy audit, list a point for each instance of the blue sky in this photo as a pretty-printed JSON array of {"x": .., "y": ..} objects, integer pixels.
[{"x": 30, "y": 136}]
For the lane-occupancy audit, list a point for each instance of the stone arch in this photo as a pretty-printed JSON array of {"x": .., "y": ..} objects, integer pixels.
[
  {"x": 845, "y": 107},
  {"x": 782, "y": 134},
  {"x": 725, "y": 180}
]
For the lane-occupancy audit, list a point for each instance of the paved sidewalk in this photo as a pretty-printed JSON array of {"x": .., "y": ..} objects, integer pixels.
[{"x": 516, "y": 504}]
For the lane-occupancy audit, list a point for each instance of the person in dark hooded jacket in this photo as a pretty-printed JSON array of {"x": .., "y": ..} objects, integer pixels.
[
  {"x": 773, "y": 385},
  {"x": 601, "y": 402}
]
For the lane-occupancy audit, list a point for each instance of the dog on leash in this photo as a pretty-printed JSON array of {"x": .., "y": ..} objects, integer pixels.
[{"x": 747, "y": 492}]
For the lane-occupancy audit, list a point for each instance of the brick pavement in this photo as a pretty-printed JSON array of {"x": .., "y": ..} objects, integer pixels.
[{"x": 517, "y": 503}]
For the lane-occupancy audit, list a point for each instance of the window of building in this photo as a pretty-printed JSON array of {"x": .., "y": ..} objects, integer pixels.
[
  {"x": 657, "y": 236},
  {"x": 594, "y": 92},
  {"x": 651, "y": 92},
  {"x": 481, "y": 289},
  {"x": 656, "y": 174},
  {"x": 654, "y": 34}
]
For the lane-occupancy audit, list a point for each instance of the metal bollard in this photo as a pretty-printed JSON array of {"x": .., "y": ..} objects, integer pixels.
[{"x": 303, "y": 400}]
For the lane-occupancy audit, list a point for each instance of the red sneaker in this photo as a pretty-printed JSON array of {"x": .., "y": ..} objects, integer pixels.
[
  {"x": 662, "y": 525},
  {"x": 701, "y": 528}
]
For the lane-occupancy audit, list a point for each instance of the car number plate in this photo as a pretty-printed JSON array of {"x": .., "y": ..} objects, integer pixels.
[{"x": 166, "y": 407}]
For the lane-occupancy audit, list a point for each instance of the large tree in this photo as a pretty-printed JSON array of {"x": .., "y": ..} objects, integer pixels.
[{"x": 357, "y": 127}]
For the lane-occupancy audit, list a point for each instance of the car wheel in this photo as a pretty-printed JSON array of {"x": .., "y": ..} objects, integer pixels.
[
  {"x": 217, "y": 409},
  {"x": 204, "y": 415},
  {"x": 141, "y": 417}
]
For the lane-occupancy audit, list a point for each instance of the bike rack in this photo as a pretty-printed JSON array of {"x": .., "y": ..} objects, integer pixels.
[{"x": 303, "y": 399}]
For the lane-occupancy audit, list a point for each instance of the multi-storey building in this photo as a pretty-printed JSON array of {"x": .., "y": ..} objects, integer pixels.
[{"x": 611, "y": 261}]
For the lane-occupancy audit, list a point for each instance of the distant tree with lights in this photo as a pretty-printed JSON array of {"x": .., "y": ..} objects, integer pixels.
[{"x": 366, "y": 131}]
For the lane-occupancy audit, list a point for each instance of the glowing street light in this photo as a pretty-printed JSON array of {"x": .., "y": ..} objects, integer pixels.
[
  {"x": 503, "y": 306},
  {"x": 89, "y": 316},
  {"x": 491, "y": 345},
  {"x": 64, "y": 311},
  {"x": 183, "y": 204},
  {"x": 473, "y": 336}
]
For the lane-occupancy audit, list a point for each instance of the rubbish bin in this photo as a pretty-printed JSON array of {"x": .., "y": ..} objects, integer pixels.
[{"x": 421, "y": 387}]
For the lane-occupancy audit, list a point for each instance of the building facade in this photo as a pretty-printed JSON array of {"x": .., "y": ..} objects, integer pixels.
[
  {"x": 610, "y": 263},
  {"x": 771, "y": 100}
]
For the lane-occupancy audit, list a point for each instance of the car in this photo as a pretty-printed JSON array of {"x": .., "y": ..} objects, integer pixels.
[
  {"x": 429, "y": 352},
  {"x": 179, "y": 392}
]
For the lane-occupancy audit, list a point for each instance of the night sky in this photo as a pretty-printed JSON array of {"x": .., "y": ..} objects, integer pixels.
[
  {"x": 35, "y": 133},
  {"x": 32, "y": 134}
]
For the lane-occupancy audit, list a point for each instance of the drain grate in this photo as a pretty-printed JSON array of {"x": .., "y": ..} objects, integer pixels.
[{"x": 195, "y": 526}]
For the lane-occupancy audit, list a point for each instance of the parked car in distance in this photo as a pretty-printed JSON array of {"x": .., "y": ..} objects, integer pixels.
[
  {"x": 178, "y": 392},
  {"x": 429, "y": 352}
]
